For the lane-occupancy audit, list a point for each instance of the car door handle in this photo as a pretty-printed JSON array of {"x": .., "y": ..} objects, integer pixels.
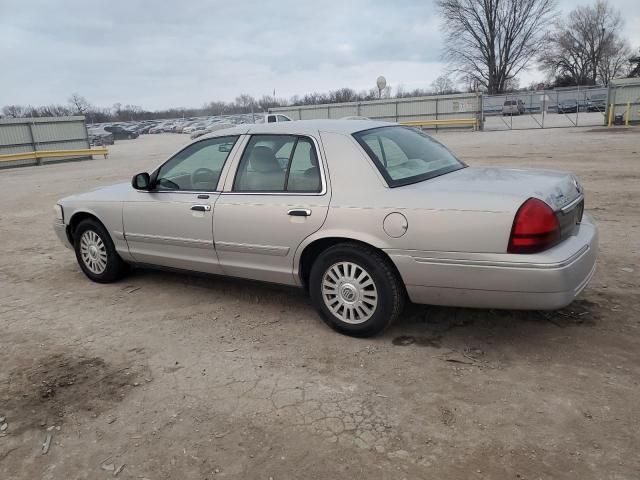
[
  {"x": 201, "y": 208},
  {"x": 299, "y": 212}
]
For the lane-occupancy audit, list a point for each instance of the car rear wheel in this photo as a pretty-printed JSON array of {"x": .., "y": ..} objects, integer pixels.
[
  {"x": 356, "y": 290},
  {"x": 96, "y": 253}
]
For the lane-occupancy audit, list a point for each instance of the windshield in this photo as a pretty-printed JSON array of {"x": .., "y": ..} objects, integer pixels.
[{"x": 406, "y": 155}]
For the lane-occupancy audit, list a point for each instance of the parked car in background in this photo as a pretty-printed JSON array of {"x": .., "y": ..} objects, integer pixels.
[
  {"x": 513, "y": 107},
  {"x": 214, "y": 127},
  {"x": 120, "y": 133},
  {"x": 159, "y": 128},
  {"x": 597, "y": 102},
  {"x": 362, "y": 214},
  {"x": 195, "y": 126},
  {"x": 568, "y": 106},
  {"x": 355, "y": 117},
  {"x": 99, "y": 136},
  {"x": 179, "y": 128},
  {"x": 145, "y": 128},
  {"x": 276, "y": 118}
]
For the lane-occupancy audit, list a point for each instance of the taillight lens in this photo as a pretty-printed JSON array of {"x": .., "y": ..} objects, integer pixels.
[{"x": 535, "y": 228}]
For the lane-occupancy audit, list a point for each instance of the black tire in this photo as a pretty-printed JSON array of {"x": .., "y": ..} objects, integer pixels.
[
  {"x": 115, "y": 266},
  {"x": 389, "y": 287}
]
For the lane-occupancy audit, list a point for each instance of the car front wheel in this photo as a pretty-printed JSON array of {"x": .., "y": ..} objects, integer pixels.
[
  {"x": 96, "y": 253},
  {"x": 356, "y": 290}
]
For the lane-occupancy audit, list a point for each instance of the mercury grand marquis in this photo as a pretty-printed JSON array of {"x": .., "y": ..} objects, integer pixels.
[{"x": 362, "y": 214}]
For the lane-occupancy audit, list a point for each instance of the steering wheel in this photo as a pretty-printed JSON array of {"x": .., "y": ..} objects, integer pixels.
[{"x": 202, "y": 175}]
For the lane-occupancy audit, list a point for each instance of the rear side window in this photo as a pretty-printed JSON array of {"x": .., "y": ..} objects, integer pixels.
[
  {"x": 406, "y": 155},
  {"x": 278, "y": 163}
]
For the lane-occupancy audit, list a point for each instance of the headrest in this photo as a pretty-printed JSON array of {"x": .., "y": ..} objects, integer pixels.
[{"x": 263, "y": 160}]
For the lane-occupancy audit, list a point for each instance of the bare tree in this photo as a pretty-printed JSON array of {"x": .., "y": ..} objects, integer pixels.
[
  {"x": 79, "y": 104},
  {"x": 565, "y": 59},
  {"x": 343, "y": 95},
  {"x": 494, "y": 40},
  {"x": 14, "y": 111},
  {"x": 215, "y": 108},
  {"x": 417, "y": 92},
  {"x": 53, "y": 111},
  {"x": 634, "y": 65},
  {"x": 442, "y": 85},
  {"x": 245, "y": 101},
  {"x": 614, "y": 61},
  {"x": 586, "y": 47},
  {"x": 268, "y": 101}
]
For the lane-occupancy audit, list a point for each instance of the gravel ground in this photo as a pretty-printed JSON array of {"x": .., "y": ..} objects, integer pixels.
[{"x": 168, "y": 376}]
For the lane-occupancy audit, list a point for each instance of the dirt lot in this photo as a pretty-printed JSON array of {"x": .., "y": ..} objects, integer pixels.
[{"x": 180, "y": 377}]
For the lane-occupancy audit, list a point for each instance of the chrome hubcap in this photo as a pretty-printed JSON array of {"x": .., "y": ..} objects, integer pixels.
[
  {"x": 93, "y": 252},
  {"x": 349, "y": 292}
]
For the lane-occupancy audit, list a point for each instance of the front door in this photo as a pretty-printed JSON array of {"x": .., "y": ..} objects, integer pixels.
[
  {"x": 172, "y": 225},
  {"x": 277, "y": 197}
]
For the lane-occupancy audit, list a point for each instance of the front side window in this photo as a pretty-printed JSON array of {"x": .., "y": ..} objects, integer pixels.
[
  {"x": 278, "y": 163},
  {"x": 406, "y": 155},
  {"x": 197, "y": 167}
]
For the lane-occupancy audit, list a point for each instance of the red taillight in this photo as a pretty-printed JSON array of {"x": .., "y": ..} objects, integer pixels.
[{"x": 535, "y": 228}]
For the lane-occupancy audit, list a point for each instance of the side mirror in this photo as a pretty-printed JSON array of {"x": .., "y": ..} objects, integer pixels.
[{"x": 141, "y": 181}]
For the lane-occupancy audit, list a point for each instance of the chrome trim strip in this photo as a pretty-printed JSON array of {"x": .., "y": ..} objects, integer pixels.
[
  {"x": 176, "y": 241},
  {"x": 569, "y": 206},
  {"x": 183, "y": 192},
  {"x": 298, "y": 194},
  {"x": 118, "y": 235},
  {"x": 273, "y": 250},
  {"x": 488, "y": 263}
]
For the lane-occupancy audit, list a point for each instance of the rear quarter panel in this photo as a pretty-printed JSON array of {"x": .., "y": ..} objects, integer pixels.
[{"x": 437, "y": 220}]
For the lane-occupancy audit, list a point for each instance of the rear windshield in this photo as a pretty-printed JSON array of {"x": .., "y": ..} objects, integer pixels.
[{"x": 406, "y": 155}]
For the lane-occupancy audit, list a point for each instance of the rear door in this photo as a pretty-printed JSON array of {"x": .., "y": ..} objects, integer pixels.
[{"x": 275, "y": 198}]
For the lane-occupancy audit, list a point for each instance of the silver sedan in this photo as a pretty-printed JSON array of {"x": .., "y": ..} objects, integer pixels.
[{"x": 362, "y": 214}]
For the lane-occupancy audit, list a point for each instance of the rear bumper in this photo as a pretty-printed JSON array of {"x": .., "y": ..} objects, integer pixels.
[
  {"x": 544, "y": 281},
  {"x": 61, "y": 232}
]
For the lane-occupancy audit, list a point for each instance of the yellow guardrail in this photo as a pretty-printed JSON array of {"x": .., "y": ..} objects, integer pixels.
[
  {"x": 445, "y": 122},
  {"x": 83, "y": 152}
]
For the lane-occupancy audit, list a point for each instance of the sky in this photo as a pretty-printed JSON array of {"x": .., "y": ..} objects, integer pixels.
[{"x": 160, "y": 54}]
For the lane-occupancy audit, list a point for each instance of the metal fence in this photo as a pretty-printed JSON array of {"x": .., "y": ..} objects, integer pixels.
[
  {"x": 566, "y": 107},
  {"x": 436, "y": 107},
  {"x": 22, "y": 135}
]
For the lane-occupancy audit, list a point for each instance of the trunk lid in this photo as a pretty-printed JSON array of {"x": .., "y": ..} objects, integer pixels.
[{"x": 558, "y": 189}]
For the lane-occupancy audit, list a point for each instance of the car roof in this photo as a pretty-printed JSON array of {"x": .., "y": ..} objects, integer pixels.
[{"x": 300, "y": 127}]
